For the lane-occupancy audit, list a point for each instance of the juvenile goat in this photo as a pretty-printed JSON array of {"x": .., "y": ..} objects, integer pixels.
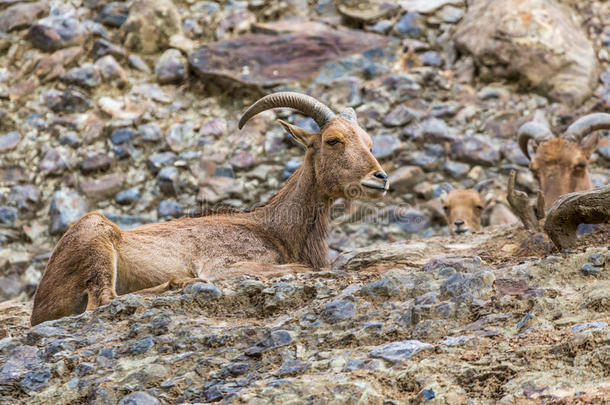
[
  {"x": 95, "y": 261},
  {"x": 561, "y": 164},
  {"x": 463, "y": 209}
]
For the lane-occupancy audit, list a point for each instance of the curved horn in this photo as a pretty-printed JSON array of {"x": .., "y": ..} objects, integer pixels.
[
  {"x": 349, "y": 114},
  {"x": 585, "y": 125},
  {"x": 304, "y": 104},
  {"x": 535, "y": 131}
]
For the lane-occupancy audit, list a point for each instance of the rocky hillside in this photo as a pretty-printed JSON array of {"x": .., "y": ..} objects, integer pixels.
[{"x": 131, "y": 108}]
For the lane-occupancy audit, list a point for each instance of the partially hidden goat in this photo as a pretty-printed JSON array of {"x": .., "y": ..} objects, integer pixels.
[
  {"x": 95, "y": 261},
  {"x": 561, "y": 164}
]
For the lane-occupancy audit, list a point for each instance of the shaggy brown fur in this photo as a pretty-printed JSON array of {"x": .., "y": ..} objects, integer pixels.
[
  {"x": 463, "y": 209},
  {"x": 95, "y": 261}
]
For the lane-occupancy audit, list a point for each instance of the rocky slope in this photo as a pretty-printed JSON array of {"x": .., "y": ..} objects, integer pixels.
[{"x": 131, "y": 108}]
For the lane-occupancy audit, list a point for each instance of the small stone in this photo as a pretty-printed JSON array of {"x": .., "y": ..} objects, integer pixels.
[
  {"x": 202, "y": 292},
  {"x": 25, "y": 197},
  {"x": 138, "y": 63},
  {"x": 455, "y": 169},
  {"x": 141, "y": 345},
  {"x": 590, "y": 270},
  {"x": 292, "y": 368},
  {"x": 122, "y": 135},
  {"x": 596, "y": 259},
  {"x": 20, "y": 16},
  {"x": 473, "y": 150},
  {"x": 243, "y": 159},
  {"x": 128, "y": 196},
  {"x": 56, "y": 32},
  {"x": 87, "y": 75},
  {"x": 102, "y": 47},
  {"x": 139, "y": 398},
  {"x": 171, "y": 67},
  {"x": 396, "y": 352},
  {"x": 55, "y": 161},
  {"x": 403, "y": 179},
  {"x": 337, "y": 311},
  {"x": 9, "y": 141},
  {"x": 150, "y": 132},
  {"x": 8, "y": 215},
  {"x": 224, "y": 171},
  {"x": 431, "y": 58},
  {"x": 409, "y": 220},
  {"x": 141, "y": 34},
  {"x": 384, "y": 145},
  {"x": 103, "y": 187},
  {"x": 277, "y": 339},
  {"x": 399, "y": 116},
  {"x": 214, "y": 127},
  {"x": 111, "y": 71},
  {"x": 113, "y": 14},
  {"x": 290, "y": 167},
  {"x": 159, "y": 160},
  {"x": 96, "y": 161},
  {"x": 69, "y": 101},
  {"x": 170, "y": 209},
  {"x": 70, "y": 139},
  {"x": 35, "y": 380},
  {"x": 66, "y": 208},
  {"x": 409, "y": 25},
  {"x": 84, "y": 368},
  {"x": 167, "y": 179},
  {"x": 436, "y": 130}
]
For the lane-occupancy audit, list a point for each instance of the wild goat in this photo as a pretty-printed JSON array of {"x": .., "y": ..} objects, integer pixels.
[
  {"x": 463, "y": 209},
  {"x": 94, "y": 261},
  {"x": 560, "y": 164}
]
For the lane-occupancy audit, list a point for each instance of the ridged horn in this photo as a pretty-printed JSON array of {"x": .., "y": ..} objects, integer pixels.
[
  {"x": 535, "y": 131},
  {"x": 585, "y": 125},
  {"x": 304, "y": 104}
]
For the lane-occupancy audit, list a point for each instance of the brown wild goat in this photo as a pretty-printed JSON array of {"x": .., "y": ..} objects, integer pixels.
[
  {"x": 463, "y": 209},
  {"x": 95, "y": 261},
  {"x": 560, "y": 164}
]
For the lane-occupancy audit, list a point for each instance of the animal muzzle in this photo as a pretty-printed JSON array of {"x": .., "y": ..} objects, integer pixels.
[
  {"x": 460, "y": 227},
  {"x": 376, "y": 182}
]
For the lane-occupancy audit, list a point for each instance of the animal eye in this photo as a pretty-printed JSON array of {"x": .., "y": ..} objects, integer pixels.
[
  {"x": 333, "y": 141},
  {"x": 446, "y": 208},
  {"x": 479, "y": 207},
  {"x": 580, "y": 166}
]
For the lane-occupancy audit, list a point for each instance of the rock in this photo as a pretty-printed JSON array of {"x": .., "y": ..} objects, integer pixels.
[
  {"x": 243, "y": 159},
  {"x": 473, "y": 150},
  {"x": 428, "y": 6},
  {"x": 8, "y": 215},
  {"x": 88, "y": 76},
  {"x": 366, "y": 11},
  {"x": 455, "y": 169},
  {"x": 150, "y": 132},
  {"x": 69, "y": 101},
  {"x": 56, "y": 32},
  {"x": 511, "y": 151},
  {"x": 399, "y": 116},
  {"x": 170, "y": 209},
  {"x": 84, "y": 368},
  {"x": 337, "y": 311},
  {"x": 111, "y": 71},
  {"x": 460, "y": 283},
  {"x": 167, "y": 179},
  {"x": 122, "y": 135},
  {"x": 55, "y": 161},
  {"x": 159, "y": 160},
  {"x": 290, "y": 167},
  {"x": 202, "y": 292},
  {"x": 138, "y": 63},
  {"x": 267, "y": 60},
  {"x": 128, "y": 196},
  {"x": 20, "y": 16},
  {"x": 275, "y": 340},
  {"x": 214, "y": 127},
  {"x": 409, "y": 25},
  {"x": 102, "y": 47},
  {"x": 590, "y": 270},
  {"x": 25, "y": 197},
  {"x": 180, "y": 136},
  {"x": 96, "y": 161},
  {"x": 537, "y": 41},
  {"x": 436, "y": 130},
  {"x": 396, "y": 352},
  {"x": 113, "y": 14},
  {"x": 171, "y": 67},
  {"x": 66, "y": 207},
  {"x": 384, "y": 146},
  {"x": 150, "y": 25},
  {"x": 409, "y": 220},
  {"x": 139, "y": 398},
  {"x": 35, "y": 380},
  {"x": 403, "y": 179},
  {"x": 9, "y": 141},
  {"x": 103, "y": 187},
  {"x": 431, "y": 58}
]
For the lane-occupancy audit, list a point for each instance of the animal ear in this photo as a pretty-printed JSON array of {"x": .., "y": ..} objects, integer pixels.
[
  {"x": 534, "y": 145},
  {"x": 590, "y": 144},
  {"x": 443, "y": 197},
  {"x": 299, "y": 134}
]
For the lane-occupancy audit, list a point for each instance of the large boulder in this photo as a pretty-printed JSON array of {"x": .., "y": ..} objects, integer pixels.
[
  {"x": 537, "y": 42},
  {"x": 150, "y": 25}
]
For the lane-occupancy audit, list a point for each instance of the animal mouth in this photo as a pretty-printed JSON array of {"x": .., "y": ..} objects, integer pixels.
[
  {"x": 461, "y": 230},
  {"x": 374, "y": 185}
]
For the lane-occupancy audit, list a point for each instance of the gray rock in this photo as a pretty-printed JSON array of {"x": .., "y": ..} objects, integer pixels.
[
  {"x": 9, "y": 141},
  {"x": 337, "y": 311},
  {"x": 396, "y": 352},
  {"x": 8, "y": 215},
  {"x": 159, "y": 160},
  {"x": 275, "y": 340},
  {"x": 473, "y": 150},
  {"x": 20, "y": 16},
  {"x": 141, "y": 345},
  {"x": 128, "y": 196},
  {"x": 96, "y": 161},
  {"x": 139, "y": 398},
  {"x": 455, "y": 169},
  {"x": 24, "y": 197},
  {"x": 68, "y": 101},
  {"x": 170, "y": 209},
  {"x": 409, "y": 25},
  {"x": 590, "y": 270},
  {"x": 403, "y": 179},
  {"x": 150, "y": 132},
  {"x": 476, "y": 285},
  {"x": 56, "y": 32},
  {"x": 399, "y": 116},
  {"x": 66, "y": 207},
  {"x": 384, "y": 146},
  {"x": 111, "y": 71},
  {"x": 202, "y": 292},
  {"x": 102, "y": 47},
  {"x": 113, "y": 14},
  {"x": 167, "y": 179},
  {"x": 171, "y": 67},
  {"x": 138, "y": 63},
  {"x": 431, "y": 58},
  {"x": 35, "y": 380}
]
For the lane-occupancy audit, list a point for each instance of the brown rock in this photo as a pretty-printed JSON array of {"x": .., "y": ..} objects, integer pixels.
[
  {"x": 405, "y": 178},
  {"x": 21, "y": 16},
  {"x": 150, "y": 25},
  {"x": 103, "y": 187}
]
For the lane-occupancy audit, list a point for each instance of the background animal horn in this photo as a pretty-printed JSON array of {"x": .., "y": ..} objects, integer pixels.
[
  {"x": 535, "y": 131},
  {"x": 304, "y": 104},
  {"x": 585, "y": 125},
  {"x": 349, "y": 114}
]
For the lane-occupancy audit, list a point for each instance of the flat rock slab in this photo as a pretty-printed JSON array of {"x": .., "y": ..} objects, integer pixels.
[{"x": 269, "y": 59}]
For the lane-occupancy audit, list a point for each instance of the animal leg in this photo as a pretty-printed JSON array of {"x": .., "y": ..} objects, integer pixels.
[
  {"x": 175, "y": 284},
  {"x": 101, "y": 284}
]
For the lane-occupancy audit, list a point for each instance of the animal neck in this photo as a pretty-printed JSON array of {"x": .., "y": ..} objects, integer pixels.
[{"x": 298, "y": 217}]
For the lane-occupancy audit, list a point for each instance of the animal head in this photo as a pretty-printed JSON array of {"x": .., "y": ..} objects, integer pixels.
[
  {"x": 340, "y": 152},
  {"x": 561, "y": 164},
  {"x": 463, "y": 209}
]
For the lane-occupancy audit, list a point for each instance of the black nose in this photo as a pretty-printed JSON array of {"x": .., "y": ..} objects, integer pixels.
[
  {"x": 381, "y": 176},
  {"x": 458, "y": 222}
]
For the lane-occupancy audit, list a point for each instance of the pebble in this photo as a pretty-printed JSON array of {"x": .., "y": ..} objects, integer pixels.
[
  {"x": 403, "y": 179},
  {"x": 171, "y": 67},
  {"x": 128, "y": 196},
  {"x": 591, "y": 270},
  {"x": 409, "y": 25},
  {"x": 337, "y": 311},
  {"x": 25, "y": 197},
  {"x": 399, "y": 116},
  {"x": 150, "y": 132},
  {"x": 396, "y": 352},
  {"x": 473, "y": 150},
  {"x": 139, "y": 398},
  {"x": 170, "y": 209},
  {"x": 8, "y": 215},
  {"x": 103, "y": 187},
  {"x": 69, "y": 101},
  {"x": 9, "y": 141},
  {"x": 159, "y": 160},
  {"x": 113, "y": 14},
  {"x": 138, "y": 63},
  {"x": 384, "y": 146},
  {"x": 88, "y": 76},
  {"x": 167, "y": 179},
  {"x": 56, "y": 32},
  {"x": 111, "y": 71},
  {"x": 102, "y": 47},
  {"x": 122, "y": 135},
  {"x": 96, "y": 161}
]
